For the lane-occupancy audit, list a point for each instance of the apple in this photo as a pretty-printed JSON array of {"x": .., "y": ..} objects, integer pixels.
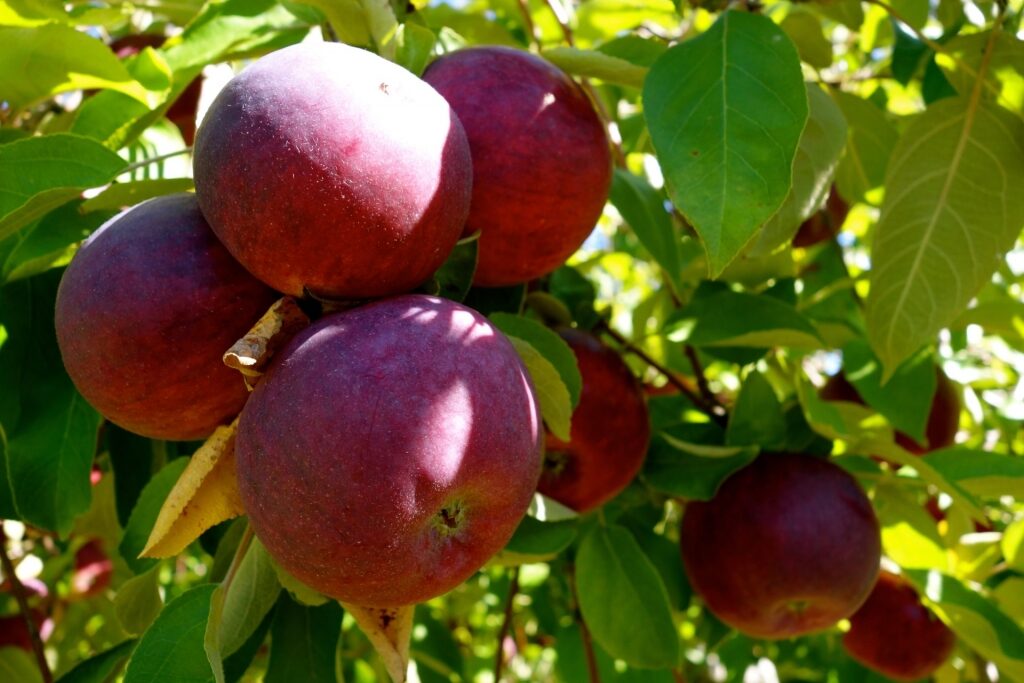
[
  {"x": 541, "y": 159},
  {"x": 145, "y": 311},
  {"x": 943, "y": 416},
  {"x": 326, "y": 168},
  {"x": 610, "y": 430},
  {"x": 93, "y": 570},
  {"x": 14, "y": 631},
  {"x": 390, "y": 450},
  {"x": 823, "y": 225},
  {"x": 895, "y": 635},
  {"x": 788, "y": 545}
]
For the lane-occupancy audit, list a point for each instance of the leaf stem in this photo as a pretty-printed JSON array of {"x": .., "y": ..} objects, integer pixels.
[
  {"x": 712, "y": 410},
  {"x": 513, "y": 589},
  {"x": 20, "y": 597}
]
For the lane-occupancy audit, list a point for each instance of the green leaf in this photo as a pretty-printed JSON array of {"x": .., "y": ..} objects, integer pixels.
[
  {"x": 238, "y": 608},
  {"x": 303, "y": 641},
  {"x": 637, "y": 625},
  {"x": 61, "y": 59},
  {"x": 982, "y": 473},
  {"x": 870, "y": 142},
  {"x": 686, "y": 475},
  {"x": 643, "y": 208},
  {"x": 18, "y": 665},
  {"x": 138, "y": 602},
  {"x": 50, "y": 243},
  {"x": 757, "y": 417},
  {"x": 975, "y": 620},
  {"x": 50, "y": 429},
  {"x": 172, "y": 648},
  {"x": 121, "y": 195},
  {"x": 728, "y": 318},
  {"x": 346, "y": 17},
  {"x": 455, "y": 276},
  {"x": 98, "y": 668},
  {"x": 595, "y": 64},
  {"x": 914, "y": 12},
  {"x": 906, "y": 399},
  {"x": 535, "y": 539},
  {"x": 725, "y": 112},
  {"x": 144, "y": 514},
  {"x": 909, "y": 534},
  {"x": 806, "y": 32},
  {"x": 821, "y": 146},
  {"x": 38, "y": 174},
  {"x": 1004, "y": 78},
  {"x": 949, "y": 216},
  {"x": 552, "y": 395},
  {"x": 1012, "y": 545},
  {"x": 298, "y": 591},
  {"x": 415, "y": 44},
  {"x": 849, "y": 13},
  {"x": 549, "y": 345}
]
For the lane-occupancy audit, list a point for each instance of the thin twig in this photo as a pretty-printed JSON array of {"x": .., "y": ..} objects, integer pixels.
[
  {"x": 499, "y": 658},
  {"x": 22, "y": 600},
  {"x": 531, "y": 30},
  {"x": 588, "y": 643},
  {"x": 153, "y": 160},
  {"x": 711, "y": 410},
  {"x": 698, "y": 373}
]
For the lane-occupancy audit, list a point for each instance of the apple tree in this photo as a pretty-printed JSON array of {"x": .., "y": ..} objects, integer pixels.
[{"x": 533, "y": 340}]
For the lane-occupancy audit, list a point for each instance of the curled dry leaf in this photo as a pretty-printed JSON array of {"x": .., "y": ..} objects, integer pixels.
[
  {"x": 389, "y": 629},
  {"x": 250, "y": 354},
  {"x": 205, "y": 494}
]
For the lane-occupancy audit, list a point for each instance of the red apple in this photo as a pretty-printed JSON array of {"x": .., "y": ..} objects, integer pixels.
[
  {"x": 144, "y": 313},
  {"x": 823, "y": 225},
  {"x": 610, "y": 430},
  {"x": 14, "y": 631},
  {"x": 326, "y": 168},
  {"x": 390, "y": 450},
  {"x": 93, "y": 570},
  {"x": 789, "y": 545},
  {"x": 943, "y": 416},
  {"x": 541, "y": 160},
  {"x": 895, "y": 635}
]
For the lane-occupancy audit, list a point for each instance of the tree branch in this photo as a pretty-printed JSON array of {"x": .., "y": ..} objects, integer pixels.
[
  {"x": 712, "y": 410},
  {"x": 19, "y": 595},
  {"x": 698, "y": 373},
  {"x": 499, "y": 658}
]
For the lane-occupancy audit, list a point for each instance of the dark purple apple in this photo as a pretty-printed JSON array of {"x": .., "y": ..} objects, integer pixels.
[
  {"x": 789, "y": 545},
  {"x": 610, "y": 430},
  {"x": 895, "y": 635},
  {"x": 390, "y": 450},
  {"x": 146, "y": 310},
  {"x": 541, "y": 160},
  {"x": 326, "y": 168},
  {"x": 943, "y": 416}
]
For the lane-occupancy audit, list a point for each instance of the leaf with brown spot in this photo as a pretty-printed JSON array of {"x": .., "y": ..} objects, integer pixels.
[{"x": 389, "y": 629}]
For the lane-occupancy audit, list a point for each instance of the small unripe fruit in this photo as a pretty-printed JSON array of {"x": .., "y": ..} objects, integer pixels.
[
  {"x": 390, "y": 450},
  {"x": 789, "y": 545},
  {"x": 326, "y": 168},
  {"x": 541, "y": 159},
  {"x": 144, "y": 314}
]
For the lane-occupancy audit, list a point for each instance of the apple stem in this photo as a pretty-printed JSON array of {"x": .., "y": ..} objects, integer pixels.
[
  {"x": 713, "y": 410},
  {"x": 513, "y": 588},
  {"x": 22, "y": 600}
]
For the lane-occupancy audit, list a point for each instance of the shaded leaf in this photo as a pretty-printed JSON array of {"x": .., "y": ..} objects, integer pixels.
[
  {"x": 50, "y": 243},
  {"x": 983, "y": 473},
  {"x": 637, "y": 625},
  {"x": 552, "y": 395},
  {"x": 547, "y": 343},
  {"x": 172, "y": 648},
  {"x": 949, "y": 216},
  {"x": 870, "y": 142},
  {"x": 303, "y": 642},
  {"x": 98, "y": 668},
  {"x": 643, "y": 208},
  {"x": 144, "y": 515},
  {"x": 725, "y": 112},
  {"x": 757, "y": 417},
  {"x": 138, "y": 601}
]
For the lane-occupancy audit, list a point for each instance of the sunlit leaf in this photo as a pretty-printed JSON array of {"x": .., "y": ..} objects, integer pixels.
[{"x": 172, "y": 648}]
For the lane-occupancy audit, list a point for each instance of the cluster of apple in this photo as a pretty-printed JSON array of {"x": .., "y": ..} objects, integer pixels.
[{"x": 393, "y": 447}]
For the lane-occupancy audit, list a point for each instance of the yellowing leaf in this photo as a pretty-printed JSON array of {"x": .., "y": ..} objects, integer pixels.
[
  {"x": 205, "y": 494},
  {"x": 250, "y": 354},
  {"x": 389, "y": 629},
  {"x": 555, "y": 404}
]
